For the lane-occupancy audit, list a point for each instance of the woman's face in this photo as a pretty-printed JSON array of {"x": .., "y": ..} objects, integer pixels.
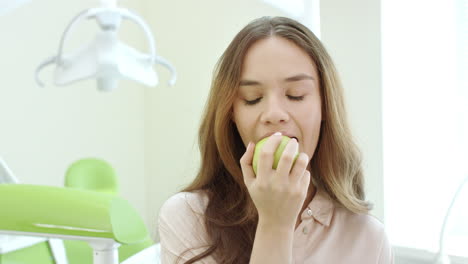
[{"x": 279, "y": 92}]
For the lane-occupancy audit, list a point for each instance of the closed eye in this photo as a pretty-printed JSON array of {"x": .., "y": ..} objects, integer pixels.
[
  {"x": 252, "y": 102},
  {"x": 257, "y": 100},
  {"x": 295, "y": 98}
]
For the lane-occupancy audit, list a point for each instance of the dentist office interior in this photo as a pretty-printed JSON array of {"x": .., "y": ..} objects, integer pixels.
[{"x": 133, "y": 128}]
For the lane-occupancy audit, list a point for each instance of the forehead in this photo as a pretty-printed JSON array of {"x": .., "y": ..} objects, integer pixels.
[{"x": 276, "y": 57}]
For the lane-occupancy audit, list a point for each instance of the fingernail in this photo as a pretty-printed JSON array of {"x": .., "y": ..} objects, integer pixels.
[
  {"x": 297, "y": 144},
  {"x": 277, "y": 134}
]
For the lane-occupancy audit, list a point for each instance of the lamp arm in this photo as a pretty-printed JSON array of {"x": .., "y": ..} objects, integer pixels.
[
  {"x": 441, "y": 253},
  {"x": 57, "y": 59}
]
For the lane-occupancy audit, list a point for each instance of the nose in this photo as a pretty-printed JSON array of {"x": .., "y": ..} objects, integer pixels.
[{"x": 274, "y": 111}]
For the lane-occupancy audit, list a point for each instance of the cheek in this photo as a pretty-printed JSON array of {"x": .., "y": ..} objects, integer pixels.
[
  {"x": 312, "y": 141},
  {"x": 311, "y": 129},
  {"x": 236, "y": 113}
]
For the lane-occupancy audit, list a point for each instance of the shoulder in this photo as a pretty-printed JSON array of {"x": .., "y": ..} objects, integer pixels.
[
  {"x": 184, "y": 210},
  {"x": 185, "y": 202},
  {"x": 181, "y": 221},
  {"x": 359, "y": 223},
  {"x": 366, "y": 231},
  {"x": 181, "y": 226}
]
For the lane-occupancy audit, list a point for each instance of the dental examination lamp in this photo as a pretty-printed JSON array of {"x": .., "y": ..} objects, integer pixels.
[
  {"x": 106, "y": 58},
  {"x": 103, "y": 221}
]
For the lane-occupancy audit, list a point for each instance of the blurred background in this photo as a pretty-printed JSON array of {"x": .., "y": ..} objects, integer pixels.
[{"x": 403, "y": 65}]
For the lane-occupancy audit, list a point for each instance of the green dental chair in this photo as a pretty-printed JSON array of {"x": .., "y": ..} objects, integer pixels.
[
  {"x": 92, "y": 174},
  {"x": 98, "y": 175},
  {"x": 103, "y": 221}
]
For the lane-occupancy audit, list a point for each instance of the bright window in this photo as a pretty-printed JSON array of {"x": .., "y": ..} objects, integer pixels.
[{"x": 425, "y": 121}]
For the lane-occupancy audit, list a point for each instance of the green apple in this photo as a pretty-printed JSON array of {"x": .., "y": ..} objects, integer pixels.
[{"x": 278, "y": 152}]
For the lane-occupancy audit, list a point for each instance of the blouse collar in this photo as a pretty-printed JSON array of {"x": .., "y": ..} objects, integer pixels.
[{"x": 320, "y": 208}]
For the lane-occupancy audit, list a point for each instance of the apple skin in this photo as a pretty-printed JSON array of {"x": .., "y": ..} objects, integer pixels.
[{"x": 278, "y": 152}]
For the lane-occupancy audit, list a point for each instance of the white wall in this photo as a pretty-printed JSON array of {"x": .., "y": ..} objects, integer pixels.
[
  {"x": 43, "y": 130},
  {"x": 351, "y": 33}
]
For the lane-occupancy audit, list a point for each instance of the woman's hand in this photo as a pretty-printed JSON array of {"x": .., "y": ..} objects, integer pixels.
[{"x": 277, "y": 194}]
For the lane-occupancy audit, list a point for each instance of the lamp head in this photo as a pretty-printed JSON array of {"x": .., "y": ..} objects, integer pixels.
[{"x": 106, "y": 58}]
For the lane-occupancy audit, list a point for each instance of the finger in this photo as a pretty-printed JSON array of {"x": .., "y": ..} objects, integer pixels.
[
  {"x": 299, "y": 167},
  {"x": 246, "y": 164},
  {"x": 287, "y": 160},
  {"x": 266, "y": 156},
  {"x": 305, "y": 180}
]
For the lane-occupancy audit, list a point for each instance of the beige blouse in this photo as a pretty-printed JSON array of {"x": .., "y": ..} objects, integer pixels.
[{"x": 327, "y": 233}]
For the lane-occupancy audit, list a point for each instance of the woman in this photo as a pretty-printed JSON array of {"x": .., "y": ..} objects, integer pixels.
[{"x": 275, "y": 78}]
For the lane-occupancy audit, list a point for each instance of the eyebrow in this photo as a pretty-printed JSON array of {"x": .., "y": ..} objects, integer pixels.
[{"x": 294, "y": 78}]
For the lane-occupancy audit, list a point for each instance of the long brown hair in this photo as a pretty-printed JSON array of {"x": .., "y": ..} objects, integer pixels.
[{"x": 230, "y": 216}]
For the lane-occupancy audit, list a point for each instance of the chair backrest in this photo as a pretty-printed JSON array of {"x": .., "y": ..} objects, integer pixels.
[{"x": 92, "y": 174}]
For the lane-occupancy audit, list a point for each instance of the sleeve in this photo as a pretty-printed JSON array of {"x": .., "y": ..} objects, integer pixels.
[
  {"x": 181, "y": 230},
  {"x": 386, "y": 253}
]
